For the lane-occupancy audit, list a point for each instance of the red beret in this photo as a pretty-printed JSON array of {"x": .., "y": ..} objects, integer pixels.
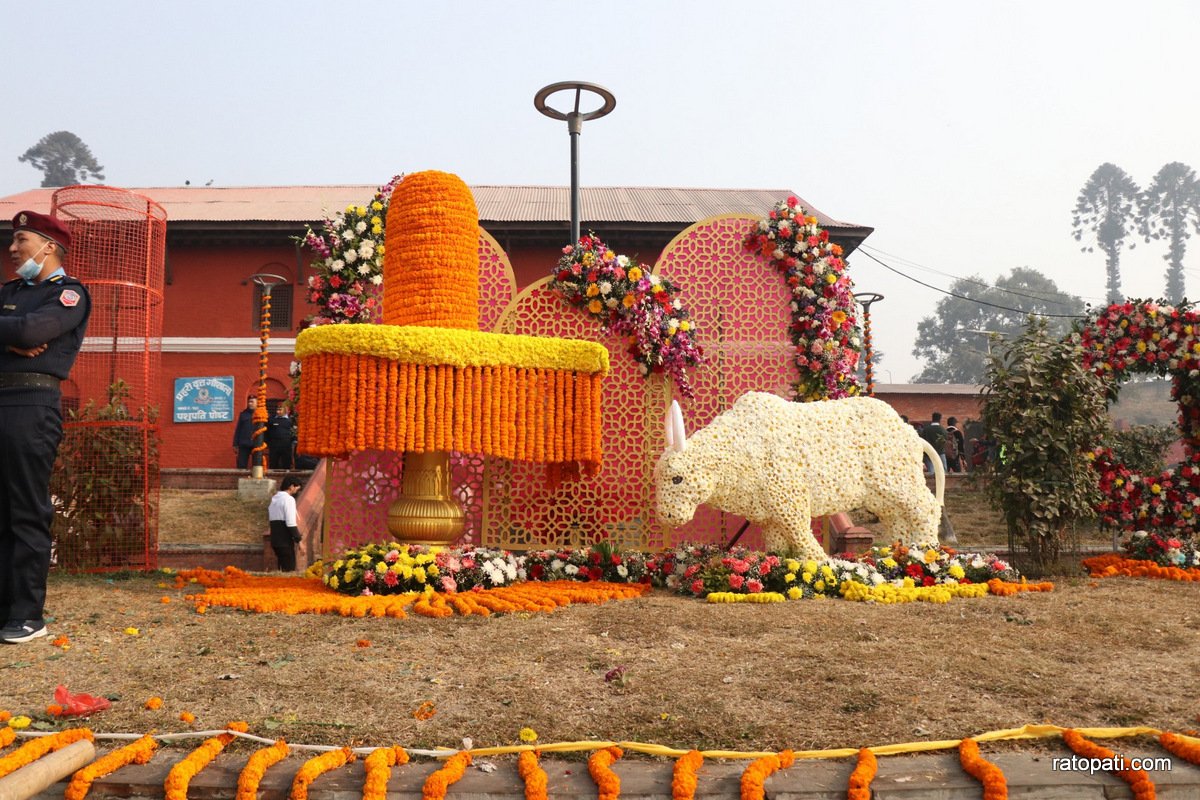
[{"x": 43, "y": 225}]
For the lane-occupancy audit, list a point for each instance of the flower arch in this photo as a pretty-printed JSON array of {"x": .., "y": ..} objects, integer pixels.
[
  {"x": 1147, "y": 337},
  {"x": 824, "y": 313}
]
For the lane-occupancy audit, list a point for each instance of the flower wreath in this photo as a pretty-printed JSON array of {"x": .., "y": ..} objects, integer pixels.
[
  {"x": 349, "y": 270},
  {"x": 627, "y": 300},
  {"x": 1146, "y": 337},
  {"x": 824, "y": 314}
]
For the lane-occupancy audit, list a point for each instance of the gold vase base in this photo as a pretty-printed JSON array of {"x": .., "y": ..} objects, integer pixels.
[{"x": 425, "y": 513}]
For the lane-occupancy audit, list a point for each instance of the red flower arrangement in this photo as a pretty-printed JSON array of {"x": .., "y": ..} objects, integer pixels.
[
  {"x": 824, "y": 313},
  {"x": 1145, "y": 337}
]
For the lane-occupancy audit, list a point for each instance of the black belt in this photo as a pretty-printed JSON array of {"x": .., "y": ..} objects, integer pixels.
[{"x": 27, "y": 380}]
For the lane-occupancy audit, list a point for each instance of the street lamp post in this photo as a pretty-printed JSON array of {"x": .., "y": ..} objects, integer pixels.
[
  {"x": 575, "y": 119},
  {"x": 267, "y": 281},
  {"x": 865, "y": 299}
]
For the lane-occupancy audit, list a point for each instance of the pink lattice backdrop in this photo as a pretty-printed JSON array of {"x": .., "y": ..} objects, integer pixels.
[
  {"x": 742, "y": 308},
  {"x": 360, "y": 488}
]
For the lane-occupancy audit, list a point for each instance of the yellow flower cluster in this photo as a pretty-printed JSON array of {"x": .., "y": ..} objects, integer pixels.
[
  {"x": 453, "y": 347},
  {"x": 431, "y": 259},
  {"x": 886, "y": 593},
  {"x": 737, "y": 597}
]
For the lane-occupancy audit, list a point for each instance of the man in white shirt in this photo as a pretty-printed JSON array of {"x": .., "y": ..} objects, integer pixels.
[{"x": 282, "y": 516}]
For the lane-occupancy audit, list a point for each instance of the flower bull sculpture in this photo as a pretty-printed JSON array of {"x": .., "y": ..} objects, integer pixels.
[{"x": 780, "y": 463}]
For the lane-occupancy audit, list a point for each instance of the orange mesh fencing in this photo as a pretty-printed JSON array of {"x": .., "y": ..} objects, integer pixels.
[{"x": 106, "y": 480}]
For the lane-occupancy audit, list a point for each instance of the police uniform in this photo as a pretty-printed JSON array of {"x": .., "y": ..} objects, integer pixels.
[{"x": 53, "y": 312}]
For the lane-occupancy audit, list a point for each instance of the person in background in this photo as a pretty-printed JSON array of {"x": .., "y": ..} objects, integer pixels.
[
  {"x": 43, "y": 318},
  {"x": 281, "y": 515},
  {"x": 956, "y": 447},
  {"x": 281, "y": 438},
  {"x": 243, "y": 433},
  {"x": 935, "y": 434}
]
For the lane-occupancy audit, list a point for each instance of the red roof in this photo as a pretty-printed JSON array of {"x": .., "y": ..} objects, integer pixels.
[{"x": 306, "y": 204}]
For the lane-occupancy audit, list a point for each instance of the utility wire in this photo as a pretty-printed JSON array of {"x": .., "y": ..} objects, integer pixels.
[{"x": 964, "y": 297}]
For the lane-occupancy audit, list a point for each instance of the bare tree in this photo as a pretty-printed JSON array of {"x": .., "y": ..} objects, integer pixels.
[
  {"x": 1168, "y": 205},
  {"x": 1105, "y": 207},
  {"x": 63, "y": 159}
]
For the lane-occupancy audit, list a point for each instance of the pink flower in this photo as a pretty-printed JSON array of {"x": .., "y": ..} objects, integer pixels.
[
  {"x": 390, "y": 578},
  {"x": 736, "y": 581},
  {"x": 697, "y": 587},
  {"x": 754, "y": 586},
  {"x": 448, "y": 584},
  {"x": 391, "y": 556}
]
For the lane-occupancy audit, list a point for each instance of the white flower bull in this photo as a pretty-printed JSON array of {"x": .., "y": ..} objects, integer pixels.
[{"x": 779, "y": 464}]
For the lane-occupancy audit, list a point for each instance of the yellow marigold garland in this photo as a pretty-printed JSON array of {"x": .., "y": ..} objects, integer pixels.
[
  {"x": 431, "y": 260},
  {"x": 175, "y": 786},
  {"x": 1138, "y": 779},
  {"x": 438, "y": 782},
  {"x": 315, "y": 767},
  {"x": 1186, "y": 747},
  {"x": 139, "y": 752},
  {"x": 378, "y": 765},
  {"x": 683, "y": 775},
  {"x": 608, "y": 783},
  {"x": 533, "y": 775},
  {"x": 754, "y": 777},
  {"x": 995, "y": 786},
  {"x": 256, "y": 766},
  {"x": 739, "y": 597},
  {"x": 859, "y": 784},
  {"x": 36, "y": 748}
]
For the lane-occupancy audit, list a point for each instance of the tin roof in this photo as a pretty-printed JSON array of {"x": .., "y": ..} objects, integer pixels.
[{"x": 307, "y": 204}]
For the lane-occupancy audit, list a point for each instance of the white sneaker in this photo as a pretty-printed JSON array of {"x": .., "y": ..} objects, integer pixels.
[{"x": 21, "y": 631}]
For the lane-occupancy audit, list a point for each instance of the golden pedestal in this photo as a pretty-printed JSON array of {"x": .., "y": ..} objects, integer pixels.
[{"x": 425, "y": 513}]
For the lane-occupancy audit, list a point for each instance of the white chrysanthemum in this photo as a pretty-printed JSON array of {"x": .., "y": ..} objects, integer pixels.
[
  {"x": 814, "y": 459},
  {"x": 622, "y": 261},
  {"x": 377, "y": 279},
  {"x": 605, "y": 287},
  {"x": 351, "y": 256},
  {"x": 338, "y": 265},
  {"x": 364, "y": 268},
  {"x": 611, "y": 302},
  {"x": 571, "y": 569},
  {"x": 360, "y": 227}
]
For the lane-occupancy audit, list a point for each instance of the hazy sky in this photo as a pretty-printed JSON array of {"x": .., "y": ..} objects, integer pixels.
[{"x": 962, "y": 132}]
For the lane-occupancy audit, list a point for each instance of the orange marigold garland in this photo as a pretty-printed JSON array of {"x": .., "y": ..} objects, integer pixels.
[
  {"x": 995, "y": 786},
  {"x": 683, "y": 776},
  {"x": 1186, "y": 747},
  {"x": 1111, "y": 564},
  {"x": 533, "y": 775},
  {"x": 256, "y": 766},
  {"x": 176, "y": 784},
  {"x": 1138, "y": 779},
  {"x": 755, "y": 776},
  {"x": 1008, "y": 588},
  {"x": 600, "y": 764},
  {"x": 437, "y": 783},
  {"x": 139, "y": 752},
  {"x": 859, "y": 785},
  {"x": 315, "y": 767},
  {"x": 36, "y": 748},
  {"x": 431, "y": 260},
  {"x": 379, "y": 770},
  {"x": 7, "y": 736}
]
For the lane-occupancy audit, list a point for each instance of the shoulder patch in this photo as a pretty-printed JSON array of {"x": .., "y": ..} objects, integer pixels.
[{"x": 69, "y": 298}]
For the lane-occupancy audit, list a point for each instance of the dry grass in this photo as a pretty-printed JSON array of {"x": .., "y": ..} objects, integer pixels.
[
  {"x": 801, "y": 674},
  {"x": 209, "y": 517}
]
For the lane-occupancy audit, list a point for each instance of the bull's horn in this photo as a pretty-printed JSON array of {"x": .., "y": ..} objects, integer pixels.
[{"x": 676, "y": 432}]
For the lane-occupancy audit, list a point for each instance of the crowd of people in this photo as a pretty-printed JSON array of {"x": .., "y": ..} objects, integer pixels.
[{"x": 959, "y": 455}]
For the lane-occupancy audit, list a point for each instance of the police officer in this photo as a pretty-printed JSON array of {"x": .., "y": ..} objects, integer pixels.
[{"x": 43, "y": 316}]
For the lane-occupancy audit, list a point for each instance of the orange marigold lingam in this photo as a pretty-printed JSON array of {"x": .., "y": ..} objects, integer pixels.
[{"x": 427, "y": 381}]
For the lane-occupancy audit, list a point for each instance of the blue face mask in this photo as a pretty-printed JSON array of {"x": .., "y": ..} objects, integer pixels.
[{"x": 30, "y": 269}]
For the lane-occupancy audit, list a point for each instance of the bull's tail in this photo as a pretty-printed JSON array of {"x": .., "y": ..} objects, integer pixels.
[{"x": 939, "y": 472}]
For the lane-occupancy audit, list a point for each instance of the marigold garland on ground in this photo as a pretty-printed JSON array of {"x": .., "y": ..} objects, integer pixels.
[
  {"x": 378, "y": 765},
  {"x": 1111, "y": 565},
  {"x": 256, "y": 766},
  {"x": 1009, "y": 588},
  {"x": 175, "y": 786},
  {"x": 1186, "y": 747},
  {"x": 36, "y": 748},
  {"x": 315, "y": 767},
  {"x": 683, "y": 776},
  {"x": 138, "y": 752},
  {"x": 608, "y": 783},
  {"x": 995, "y": 786},
  {"x": 438, "y": 782},
  {"x": 1138, "y": 779},
  {"x": 754, "y": 777},
  {"x": 533, "y": 775},
  {"x": 7, "y": 736},
  {"x": 859, "y": 785}
]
